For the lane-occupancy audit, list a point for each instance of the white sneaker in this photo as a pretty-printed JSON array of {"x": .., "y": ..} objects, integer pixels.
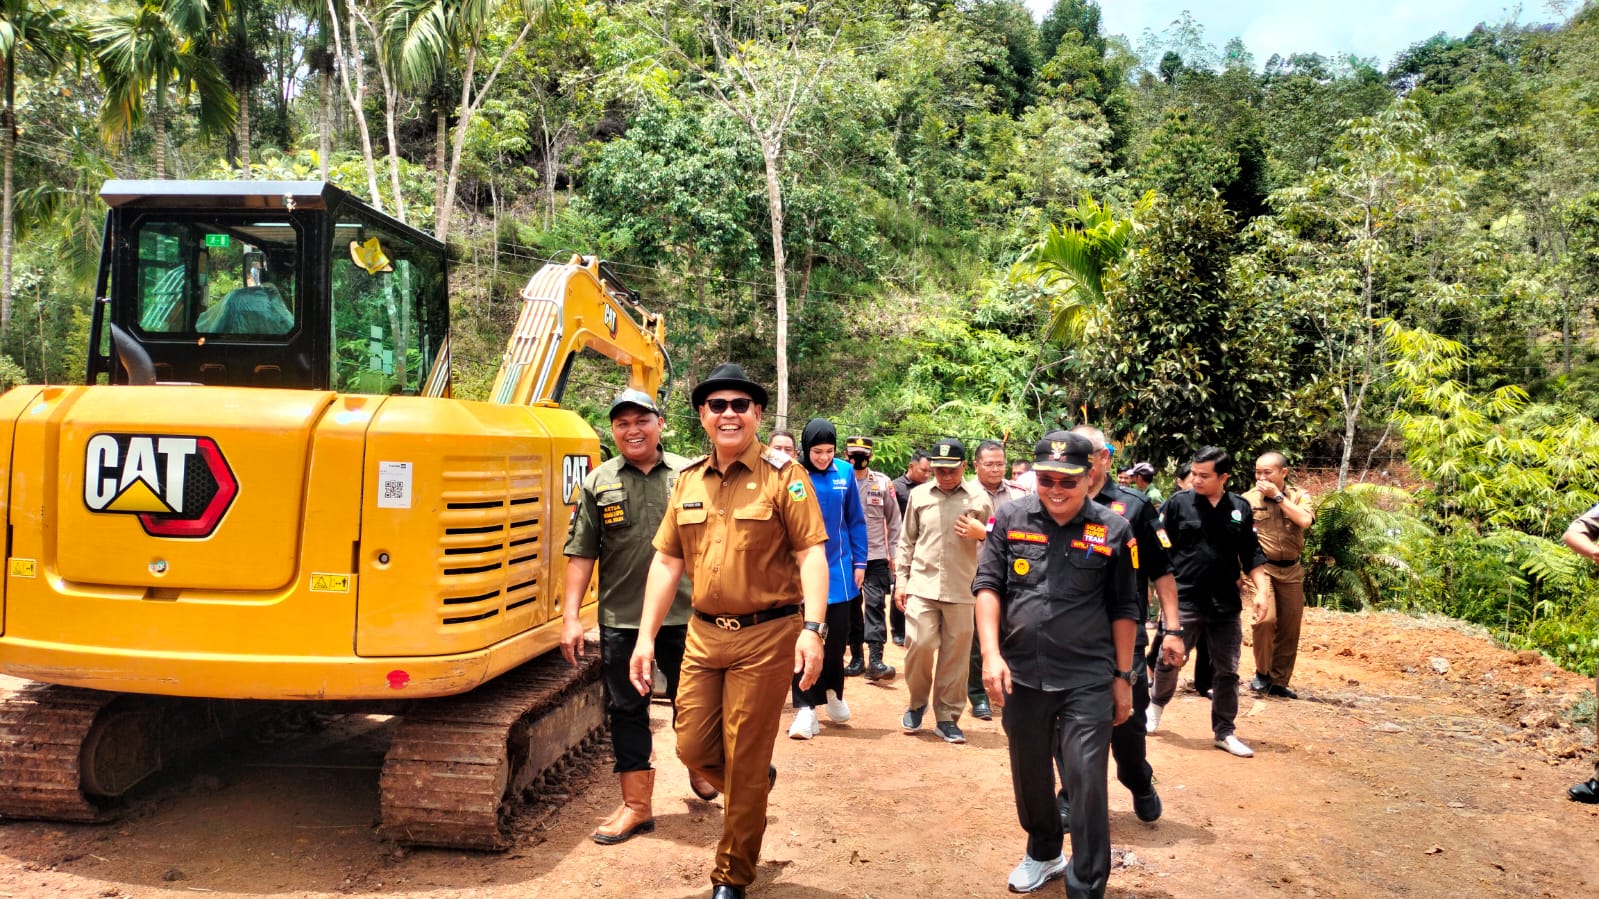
[
  {"x": 1032, "y": 874},
  {"x": 837, "y": 709},
  {"x": 1152, "y": 717},
  {"x": 1235, "y": 746},
  {"x": 805, "y": 725}
]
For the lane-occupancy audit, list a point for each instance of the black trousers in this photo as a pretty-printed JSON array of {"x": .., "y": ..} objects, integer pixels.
[
  {"x": 1128, "y": 747},
  {"x": 832, "y": 660},
  {"x": 1075, "y": 724},
  {"x": 876, "y": 592},
  {"x": 627, "y": 711},
  {"x": 857, "y": 628}
]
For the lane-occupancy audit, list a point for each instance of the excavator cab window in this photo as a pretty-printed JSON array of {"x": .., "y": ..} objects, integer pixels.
[
  {"x": 226, "y": 278},
  {"x": 389, "y": 310}
]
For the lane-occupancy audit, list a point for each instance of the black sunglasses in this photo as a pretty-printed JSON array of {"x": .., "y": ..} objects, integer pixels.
[
  {"x": 1065, "y": 483},
  {"x": 719, "y": 405}
]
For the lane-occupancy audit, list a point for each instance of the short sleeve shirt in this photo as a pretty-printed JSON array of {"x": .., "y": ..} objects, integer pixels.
[
  {"x": 1060, "y": 587},
  {"x": 1280, "y": 538},
  {"x": 737, "y": 530},
  {"x": 1590, "y": 522},
  {"x": 618, "y": 511}
]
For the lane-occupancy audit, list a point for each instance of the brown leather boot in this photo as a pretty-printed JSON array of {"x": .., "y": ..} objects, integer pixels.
[{"x": 635, "y": 816}]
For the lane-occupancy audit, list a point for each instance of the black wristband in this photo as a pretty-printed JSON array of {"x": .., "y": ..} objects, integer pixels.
[{"x": 1176, "y": 633}]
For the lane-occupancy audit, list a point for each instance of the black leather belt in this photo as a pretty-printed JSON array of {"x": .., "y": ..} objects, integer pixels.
[
  {"x": 736, "y": 622},
  {"x": 1284, "y": 564}
]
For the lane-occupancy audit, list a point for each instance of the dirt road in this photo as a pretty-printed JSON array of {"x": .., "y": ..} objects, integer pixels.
[{"x": 1422, "y": 761}]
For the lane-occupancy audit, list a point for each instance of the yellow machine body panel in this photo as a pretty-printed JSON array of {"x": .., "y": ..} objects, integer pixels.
[{"x": 373, "y": 548}]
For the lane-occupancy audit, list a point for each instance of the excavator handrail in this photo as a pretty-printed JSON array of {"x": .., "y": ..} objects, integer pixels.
[{"x": 567, "y": 308}]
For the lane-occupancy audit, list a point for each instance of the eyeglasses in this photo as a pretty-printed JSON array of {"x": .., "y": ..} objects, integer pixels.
[
  {"x": 718, "y": 405},
  {"x": 1066, "y": 483}
]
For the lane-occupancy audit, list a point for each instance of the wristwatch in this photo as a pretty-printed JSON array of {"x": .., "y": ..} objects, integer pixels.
[
  {"x": 1127, "y": 676},
  {"x": 1176, "y": 633},
  {"x": 819, "y": 628},
  {"x": 1278, "y": 498}
]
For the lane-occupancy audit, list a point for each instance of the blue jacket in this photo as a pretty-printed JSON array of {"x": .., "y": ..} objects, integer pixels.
[{"x": 840, "y": 499}]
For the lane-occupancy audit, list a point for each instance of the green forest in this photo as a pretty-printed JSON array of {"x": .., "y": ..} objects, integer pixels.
[{"x": 926, "y": 218}]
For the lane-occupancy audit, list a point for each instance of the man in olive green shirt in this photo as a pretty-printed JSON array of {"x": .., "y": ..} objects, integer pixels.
[{"x": 619, "y": 506}]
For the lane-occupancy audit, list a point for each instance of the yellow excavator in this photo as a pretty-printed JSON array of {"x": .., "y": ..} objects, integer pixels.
[{"x": 265, "y": 494}]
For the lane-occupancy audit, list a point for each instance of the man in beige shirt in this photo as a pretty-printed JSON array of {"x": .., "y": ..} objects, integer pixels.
[
  {"x": 945, "y": 524},
  {"x": 1283, "y": 513}
]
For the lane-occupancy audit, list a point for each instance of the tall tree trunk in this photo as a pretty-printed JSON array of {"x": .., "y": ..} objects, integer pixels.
[
  {"x": 441, "y": 143},
  {"x": 160, "y": 121},
  {"x": 324, "y": 118},
  {"x": 354, "y": 93},
  {"x": 8, "y": 123},
  {"x": 774, "y": 201},
  {"x": 244, "y": 132}
]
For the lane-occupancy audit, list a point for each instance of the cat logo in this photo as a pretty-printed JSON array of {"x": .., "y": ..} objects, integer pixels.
[
  {"x": 178, "y": 486},
  {"x": 573, "y": 470},
  {"x": 610, "y": 320}
]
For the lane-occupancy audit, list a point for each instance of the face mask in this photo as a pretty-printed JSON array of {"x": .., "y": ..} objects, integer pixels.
[{"x": 860, "y": 462}]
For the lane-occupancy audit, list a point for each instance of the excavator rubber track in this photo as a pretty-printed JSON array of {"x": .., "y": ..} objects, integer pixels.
[
  {"x": 457, "y": 765},
  {"x": 42, "y": 730}
]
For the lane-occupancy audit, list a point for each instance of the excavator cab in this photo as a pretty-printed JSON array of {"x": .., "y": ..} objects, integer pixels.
[{"x": 241, "y": 284}]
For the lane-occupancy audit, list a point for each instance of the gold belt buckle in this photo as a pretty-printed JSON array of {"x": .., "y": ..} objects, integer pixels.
[{"x": 727, "y": 624}]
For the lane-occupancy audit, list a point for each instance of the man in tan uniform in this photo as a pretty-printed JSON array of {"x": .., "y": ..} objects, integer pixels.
[
  {"x": 945, "y": 523},
  {"x": 1282, "y": 515},
  {"x": 744, "y": 523}
]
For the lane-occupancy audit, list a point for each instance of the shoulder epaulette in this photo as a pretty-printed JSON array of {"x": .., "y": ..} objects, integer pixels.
[{"x": 696, "y": 462}]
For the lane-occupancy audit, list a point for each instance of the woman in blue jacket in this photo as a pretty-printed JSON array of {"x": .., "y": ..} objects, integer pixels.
[{"x": 834, "y": 484}]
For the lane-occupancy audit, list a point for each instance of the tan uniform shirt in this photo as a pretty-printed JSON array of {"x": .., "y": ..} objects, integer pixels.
[
  {"x": 738, "y": 530},
  {"x": 932, "y": 561},
  {"x": 883, "y": 517},
  {"x": 1280, "y": 539}
]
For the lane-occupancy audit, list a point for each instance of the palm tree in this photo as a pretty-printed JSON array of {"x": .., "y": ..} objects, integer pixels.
[
  {"x": 1070, "y": 264},
  {"x": 51, "y": 37},
  {"x": 160, "y": 44},
  {"x": 429, "y": 36}
]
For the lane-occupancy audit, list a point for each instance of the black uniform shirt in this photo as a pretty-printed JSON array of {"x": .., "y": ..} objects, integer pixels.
[
  {"x": 1059, "y": 589},
  {"x": 1211, "y": 546},
  {"x": 1151, "y": 547}
]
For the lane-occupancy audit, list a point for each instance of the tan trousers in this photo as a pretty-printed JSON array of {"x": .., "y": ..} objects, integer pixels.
[
  {"x": 1276, "y": 633},
  {"x": 938, "y": 651},
  {"x": 730, "y": 702}
]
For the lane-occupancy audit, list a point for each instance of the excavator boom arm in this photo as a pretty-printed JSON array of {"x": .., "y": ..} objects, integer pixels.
[{"x": 567, "y": 308}]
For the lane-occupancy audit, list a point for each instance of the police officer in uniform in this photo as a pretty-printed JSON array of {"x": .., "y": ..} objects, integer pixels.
[
  {"x": 619, "y": 506},
  {"x": 1283, "y": 513},
  {"x": 1057, "y": 611},
  {"x": 745, "y": 524}
]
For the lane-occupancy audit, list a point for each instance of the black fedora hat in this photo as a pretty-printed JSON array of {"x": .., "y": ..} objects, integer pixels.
[{"x": 728, "y": 376}]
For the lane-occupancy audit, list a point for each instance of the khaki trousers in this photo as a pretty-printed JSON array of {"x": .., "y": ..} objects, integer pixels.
[
  {"x": 938, "y": 650},
  {"x": 730, "y": 702},
  {"x": 1276, "y": 633}
]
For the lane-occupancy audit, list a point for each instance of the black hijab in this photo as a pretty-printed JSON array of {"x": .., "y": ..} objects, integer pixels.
[{"x": 819, "y": 432}]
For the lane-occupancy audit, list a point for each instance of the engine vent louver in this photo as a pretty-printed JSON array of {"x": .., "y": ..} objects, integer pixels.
[{"x": 491, "y": 546}]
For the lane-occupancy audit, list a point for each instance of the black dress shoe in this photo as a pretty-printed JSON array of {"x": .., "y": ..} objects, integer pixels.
[
  {"x": 1284, "y": 692},
  {"x": 855, "y": 668},
  {"x": 1587, "y": 791},
  {"x": 771, "y": 781},
  {"x": 1065, "y": 813},
  {"x": 981, "y": 710},
  {"x": 1260, "y": 684},
  {"x": 727, "y": 891},
  {"x": 1147, "y": 806}
]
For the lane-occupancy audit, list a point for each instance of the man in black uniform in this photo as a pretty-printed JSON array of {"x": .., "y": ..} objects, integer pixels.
[
  {"x": 1213, "y": 541},
  {"x": 1128, "y": 739},
  {"x": 1056, "y": 617}
]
